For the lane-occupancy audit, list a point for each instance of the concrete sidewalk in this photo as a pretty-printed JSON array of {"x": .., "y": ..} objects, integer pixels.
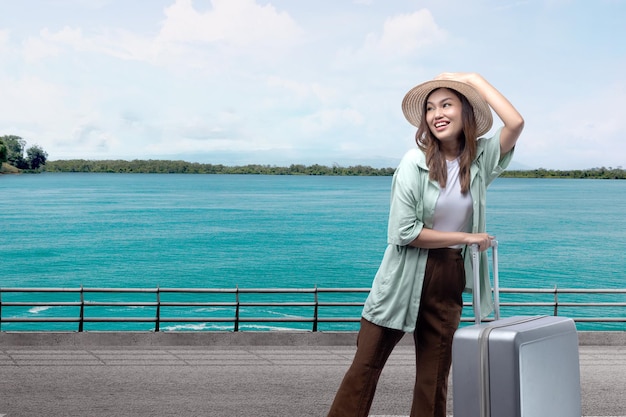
[{"x": 223, "y": 375}]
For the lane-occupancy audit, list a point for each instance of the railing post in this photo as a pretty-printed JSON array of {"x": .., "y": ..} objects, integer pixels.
[
  {"x": 315, "y": 310},
  {"x": 158, "y": 309},
  {"x": 556, "y": 301},
  {"x": 237, "y": 308},
  {"x": 82, "y": 309},
  {"x": 0, "y": 309}
]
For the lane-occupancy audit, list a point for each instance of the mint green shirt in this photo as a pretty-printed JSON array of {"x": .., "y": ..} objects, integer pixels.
[{"x": 395, "y": 295}]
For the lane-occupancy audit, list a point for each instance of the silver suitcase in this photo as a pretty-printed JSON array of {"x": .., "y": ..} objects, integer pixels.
[{"x": 515, "y": 367}]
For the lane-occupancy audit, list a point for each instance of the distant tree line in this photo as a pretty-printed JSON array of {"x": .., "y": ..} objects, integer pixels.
[
  {"x": 183, "y": 167},
  {"x": 153, "y": 166},
  {"x": 593, "y": 173},
  {"x": 13, "y": 151}
]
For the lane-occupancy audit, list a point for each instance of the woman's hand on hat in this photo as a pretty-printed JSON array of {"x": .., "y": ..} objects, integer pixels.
[
  {"x": 470, "y": 78},
  {"x": 464, "y": 77}
]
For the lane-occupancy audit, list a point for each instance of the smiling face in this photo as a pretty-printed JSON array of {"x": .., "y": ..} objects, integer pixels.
[{"x": 444, "y": 116}]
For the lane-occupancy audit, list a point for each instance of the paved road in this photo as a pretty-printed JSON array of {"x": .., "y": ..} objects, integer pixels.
[{"x": 225, "y": 381}]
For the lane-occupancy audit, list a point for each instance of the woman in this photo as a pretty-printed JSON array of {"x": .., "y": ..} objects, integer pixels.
[{"x": 437, "y": 210}]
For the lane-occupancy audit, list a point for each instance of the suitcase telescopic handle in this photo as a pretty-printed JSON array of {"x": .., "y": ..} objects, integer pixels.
[{"x": 496, "y": 280}]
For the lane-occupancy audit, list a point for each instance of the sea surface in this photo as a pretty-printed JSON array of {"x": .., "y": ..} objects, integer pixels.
[{"x": 255, "y": 231}]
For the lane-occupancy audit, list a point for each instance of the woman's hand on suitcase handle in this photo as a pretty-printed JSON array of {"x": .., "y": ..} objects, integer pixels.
[{"x": 482, "y": 240}]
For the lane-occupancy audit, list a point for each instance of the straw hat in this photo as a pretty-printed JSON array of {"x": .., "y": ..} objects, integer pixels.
[{"x": 413, "y": 103}]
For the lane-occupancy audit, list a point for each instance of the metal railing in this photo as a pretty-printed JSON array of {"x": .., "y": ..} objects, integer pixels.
[{"x": 234, "y": 308}]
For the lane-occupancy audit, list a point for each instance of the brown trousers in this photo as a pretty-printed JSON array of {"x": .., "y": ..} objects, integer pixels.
[{"x": 438, "y": 318}]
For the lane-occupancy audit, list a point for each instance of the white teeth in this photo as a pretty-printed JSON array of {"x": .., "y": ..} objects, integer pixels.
[{"x": 440, "y": 124}]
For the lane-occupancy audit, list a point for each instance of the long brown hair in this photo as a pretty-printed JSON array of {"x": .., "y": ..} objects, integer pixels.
[{"x": 435, "y": 159}]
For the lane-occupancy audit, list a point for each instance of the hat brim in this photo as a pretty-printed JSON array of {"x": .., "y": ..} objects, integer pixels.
[{"x": 414, "y": 100}]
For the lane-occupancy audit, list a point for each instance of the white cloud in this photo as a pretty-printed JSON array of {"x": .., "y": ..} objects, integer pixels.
[
  {"x": 327, "y": 119},
  {"x": 117, "y": 43},
  {"x": 93, "y": 139},
  {"x": 592, "y": 129},
  {"x": 582, "y": 132},
  {"x": 29, "y": 100},
  {"x": 301, "y": 90},
  {"x": 35, "y": 49},
  {"x": 189, "y": 40},
  {"x": 402, "y": 40},
  {"x": 49, "y": 44},
  {"x": 4, "y": 38},
  {"x": 6, "y": 48},
  {"x": 239, "y": 23},
  {"x": 406, "y": 34}
]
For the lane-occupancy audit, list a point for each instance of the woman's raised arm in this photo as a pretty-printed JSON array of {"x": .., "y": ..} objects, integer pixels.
[{"x": 513, "y": 121}]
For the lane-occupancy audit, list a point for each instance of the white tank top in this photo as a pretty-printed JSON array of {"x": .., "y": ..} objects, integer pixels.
[{"x": 453, "y": 210}]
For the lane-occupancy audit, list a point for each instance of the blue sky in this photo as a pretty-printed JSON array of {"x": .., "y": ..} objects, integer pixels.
[{"x": 291, "y": 81}]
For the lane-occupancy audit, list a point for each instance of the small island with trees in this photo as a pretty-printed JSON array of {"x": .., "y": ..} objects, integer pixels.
[{"x": 16, "y": 158}]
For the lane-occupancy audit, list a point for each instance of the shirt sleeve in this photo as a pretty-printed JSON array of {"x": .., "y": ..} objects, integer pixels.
[
  {"x": 405, "y": 222},
  {"x": 492, "y": 162}
]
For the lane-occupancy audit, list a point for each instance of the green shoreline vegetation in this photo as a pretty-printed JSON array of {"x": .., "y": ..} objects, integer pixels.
[
  {"x": 183, "y": 167},
  {"x": 16, "y": 158}
]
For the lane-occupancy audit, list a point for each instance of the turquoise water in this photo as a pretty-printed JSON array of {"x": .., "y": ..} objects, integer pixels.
[{"x": 148, "y": 230}]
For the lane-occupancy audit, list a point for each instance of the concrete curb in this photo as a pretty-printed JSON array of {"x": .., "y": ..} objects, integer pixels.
[
  {"x": 146, "y": 339},
  {"x": 83, "y": 339}
]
